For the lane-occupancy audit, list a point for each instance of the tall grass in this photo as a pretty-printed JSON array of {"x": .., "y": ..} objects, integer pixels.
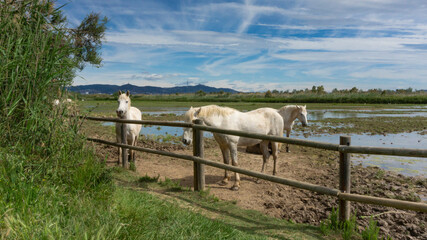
[
  {"x": 51, "y": 185},
  {"x": 35, "y": 65}
]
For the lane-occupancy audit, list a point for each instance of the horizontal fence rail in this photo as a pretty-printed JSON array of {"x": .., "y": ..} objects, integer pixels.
[
  {"x": 400, "y": 204},
  {"x": 404, "y": 152}
]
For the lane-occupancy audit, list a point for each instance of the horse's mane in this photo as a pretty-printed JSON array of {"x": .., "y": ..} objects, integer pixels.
[
  {"x": 210, "y": 110},
  {"x": 288, "y": 109}
]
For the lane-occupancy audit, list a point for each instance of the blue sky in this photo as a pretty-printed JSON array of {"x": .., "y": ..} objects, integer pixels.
[{"x": 260, "y": 45}]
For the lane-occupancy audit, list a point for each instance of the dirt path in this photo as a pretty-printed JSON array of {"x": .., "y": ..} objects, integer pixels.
[{"x": 304, "y": 164}]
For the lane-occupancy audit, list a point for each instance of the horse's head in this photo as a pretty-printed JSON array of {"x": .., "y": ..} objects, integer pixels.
[
  {"x": 124, "y": 104},
  {"x": 302, "y": 115},
  {"x": 189, "y": 117}
]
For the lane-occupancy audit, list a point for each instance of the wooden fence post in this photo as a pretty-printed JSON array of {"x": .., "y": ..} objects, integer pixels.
[
  {"x": 199, "y": 169},
  {"x": 125, "y": 162},
  {"x": 345, "y": 180}
]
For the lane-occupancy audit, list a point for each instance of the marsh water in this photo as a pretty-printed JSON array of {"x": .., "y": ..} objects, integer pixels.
[{"x": 405, "y": 165}]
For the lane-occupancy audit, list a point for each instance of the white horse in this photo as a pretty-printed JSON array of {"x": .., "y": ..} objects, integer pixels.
[
  {"x": 262, "y": 121},
  {"x": 289, "y": 114},
  {"x": 125, "y": 111}
]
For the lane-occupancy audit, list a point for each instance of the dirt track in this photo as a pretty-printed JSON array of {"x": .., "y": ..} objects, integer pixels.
[{"x": 304, "y": 164}]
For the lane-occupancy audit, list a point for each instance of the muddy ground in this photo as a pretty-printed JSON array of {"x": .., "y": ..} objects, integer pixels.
[{"x": 303, "y": 164}]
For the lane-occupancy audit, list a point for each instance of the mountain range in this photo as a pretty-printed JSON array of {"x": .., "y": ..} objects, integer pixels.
[{"x": 110, "y": 89}]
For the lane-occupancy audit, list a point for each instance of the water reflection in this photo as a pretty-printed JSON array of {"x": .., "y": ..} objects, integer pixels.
[{"x": 342, "y": 113}]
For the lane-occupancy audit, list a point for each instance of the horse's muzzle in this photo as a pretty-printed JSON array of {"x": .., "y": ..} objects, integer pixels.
[
  {"x": 119, "y": 113},
  {"x": 186, "y": 142}
]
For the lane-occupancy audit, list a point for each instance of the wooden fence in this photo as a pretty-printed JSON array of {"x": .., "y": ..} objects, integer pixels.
[{"x": 344, "y": 149}]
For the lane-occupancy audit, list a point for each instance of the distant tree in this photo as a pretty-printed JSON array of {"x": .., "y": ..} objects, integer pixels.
[
  {"x": 313, "y": 89},
  {"x": 335, "y": 90},
  {"x": 275, "y": 91},
  {"x": 268, "y": 94},
  {"x": 200, "y": 93},
  {"x": 354, "y": 90},
  {"x": 321, "y": 89}
]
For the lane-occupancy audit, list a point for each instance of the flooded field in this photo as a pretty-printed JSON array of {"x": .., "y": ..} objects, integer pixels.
[{"x": 404, "y": 165}]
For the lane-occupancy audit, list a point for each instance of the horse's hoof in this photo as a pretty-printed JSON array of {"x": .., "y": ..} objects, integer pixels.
[
  {"x": 222, "y": 183},
  {"x": 234, "y": 188}
]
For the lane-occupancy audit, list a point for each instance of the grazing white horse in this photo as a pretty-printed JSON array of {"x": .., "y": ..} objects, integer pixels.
[
  {"x": 125, "y": 111},
  {"x": 289, "y": 114},
  {"x": 262, "y": 121}
]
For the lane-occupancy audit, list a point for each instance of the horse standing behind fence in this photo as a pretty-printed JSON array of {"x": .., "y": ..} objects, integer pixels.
[
  {"x": 289, "y": 114},
  {"x": 125, "y": 111},
  {"x": 262, "y": 121}
]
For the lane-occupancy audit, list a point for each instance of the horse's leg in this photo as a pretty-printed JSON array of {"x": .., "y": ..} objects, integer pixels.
[
  {"x": 131, "y": 152},
  {"x": 265, "y": 154},
  {"x": 134, "y": 152},
  {"x": 233, "y": 152},
  {"x": 275, "y": 151},
  {"x": 226, "y": 158},
  {"x": 119, "y": 149},
  {"x": 288, "y": 132}
]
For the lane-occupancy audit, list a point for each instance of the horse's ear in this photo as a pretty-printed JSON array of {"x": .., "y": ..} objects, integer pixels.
[
  {"x": 305, "y": 106},
  {"x": 127, "y": 93},
  {"x": 196, "y": 113},
  {"x": 120, "y": 92}
]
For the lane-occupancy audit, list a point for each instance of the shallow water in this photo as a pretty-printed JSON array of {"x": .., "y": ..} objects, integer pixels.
[
  {"x": 410, "y": 166},
  {"x": 319, "y": 114}
]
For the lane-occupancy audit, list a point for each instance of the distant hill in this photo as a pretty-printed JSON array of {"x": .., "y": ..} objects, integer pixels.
[{"x": 110, "y": 89}]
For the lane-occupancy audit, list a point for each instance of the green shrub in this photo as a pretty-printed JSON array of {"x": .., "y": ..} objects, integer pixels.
[{"x": 371, "y": 232}]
